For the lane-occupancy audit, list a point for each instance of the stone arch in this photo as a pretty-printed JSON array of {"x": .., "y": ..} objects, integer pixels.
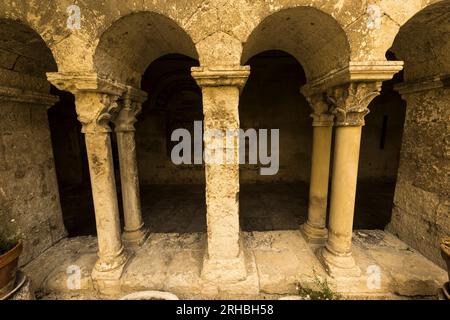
[
  {"x": 422, "y": 42},
  {"x": 312, "y": 36},
  {"x": 133, "y": 42},
  {"x": 23, "y": 50}
]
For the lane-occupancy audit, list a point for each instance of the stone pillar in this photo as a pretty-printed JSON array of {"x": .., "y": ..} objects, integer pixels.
[
  {"x": 224, "y": 259},
  {"x": 423, "y": 220},
  {"x": 314, "y": 230},
  {"x": 30, "y": 209},
  {"x": 134, "y": 231},
  {"x": 350, "y": 106},
  {"x": 95, "y": 100}
]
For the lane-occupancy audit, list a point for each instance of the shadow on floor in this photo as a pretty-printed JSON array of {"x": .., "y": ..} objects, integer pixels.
[{"x": 263, "y": 207}]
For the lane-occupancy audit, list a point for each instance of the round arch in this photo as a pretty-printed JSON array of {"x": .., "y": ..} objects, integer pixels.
[
  {"x": 312, "y": 36},
  {"x": 423, "y": 42},
  {"x": 133, "y": 42},
  {"x": 23, "y": 50}
]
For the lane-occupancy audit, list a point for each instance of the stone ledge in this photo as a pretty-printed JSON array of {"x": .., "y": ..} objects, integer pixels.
[{"x": 281, "y": 260}]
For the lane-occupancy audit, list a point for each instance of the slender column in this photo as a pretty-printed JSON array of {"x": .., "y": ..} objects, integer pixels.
[
  {"x": 95, "y": 101},
  {"x": 134, "y": 231},
  {"x": 350, "y": 104},
  {"x": 101, "y": 170},
  {"x": 224, "y": 259},
  {"x": 314, "y": 230}
]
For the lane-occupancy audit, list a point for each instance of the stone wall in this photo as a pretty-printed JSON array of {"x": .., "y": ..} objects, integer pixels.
[
  {"x": 421, "y": 215},
  {"x": 29, "y": 198}
]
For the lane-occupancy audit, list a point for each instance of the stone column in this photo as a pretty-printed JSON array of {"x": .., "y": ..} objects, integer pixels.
[
  {"x": 96, "y": 102},
  {"x": 350, "y": 106},
  {"x": 224, "y": 259},
  {"x": 134, "y": 231},
  {"x": 314, "y": 230}
]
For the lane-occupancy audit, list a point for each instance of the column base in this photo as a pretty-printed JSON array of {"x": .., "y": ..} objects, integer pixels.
[
  {"x": 338, "y": 266},
  {"x": 135, "y": 238},
  {"x": 106, "y": 275},
  {"x": 224, "y": 270},
  {"x": 314, "y": 235}
]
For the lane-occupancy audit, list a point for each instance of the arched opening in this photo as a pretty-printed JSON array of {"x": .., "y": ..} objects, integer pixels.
[
  {"x": 313, "y": 37},
  {"x": 288, "y": 49},
  {"x": 30, "y": 207},
  {"x": 272, "y": 100},
  {"x": 173, "y": 196},
  {"x": 151, "y": 52}
]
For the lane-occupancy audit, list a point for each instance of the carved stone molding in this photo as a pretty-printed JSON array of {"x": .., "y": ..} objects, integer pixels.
[
  {"x": 425, "y": 84},
  {"x": 320, "y": 106},
  {"x": 95, "y": 97},
  {"x": 27, "y": 97},
  {"x": 85, "y": 82},
  {"x": 355, "y": 71},
  {"x": 231, "y": 76},
  {"x": 135, "y": 95},
  {"x": 349, "y": 103},
  {"x": 21, "y": 81}
]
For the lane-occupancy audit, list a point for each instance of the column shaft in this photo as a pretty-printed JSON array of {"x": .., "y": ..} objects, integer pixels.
[
  {"x": 222, "y": 179},
  {"x": 315, "y": 228},
  {"x": 134, "y": 232},
  {"x": 111, "y": 255},
  {"x": 224, "y": 260},
  {"x": 345, "y": 175}
]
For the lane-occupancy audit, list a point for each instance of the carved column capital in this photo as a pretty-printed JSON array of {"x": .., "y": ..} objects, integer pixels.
[
  {"x": 95, "y": 97},
  {"x": 320, "y": 106},
  {"x": 349, "y": 102},
  {"x": 220, "y": 76},
  {"x": 95, "y": 111},
  {"x": 131, "y": 107}
]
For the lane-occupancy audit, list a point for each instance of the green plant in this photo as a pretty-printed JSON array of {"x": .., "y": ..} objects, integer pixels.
[
  {"x": 321, "y": 291},
  {"x": 6, "y": 245}
]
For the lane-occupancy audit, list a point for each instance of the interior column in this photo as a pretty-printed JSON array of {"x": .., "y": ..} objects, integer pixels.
[
  {"x": 134, "y": 231},
  {"x": 314, "y": 230},
  {"x": 224, "y": 259}
]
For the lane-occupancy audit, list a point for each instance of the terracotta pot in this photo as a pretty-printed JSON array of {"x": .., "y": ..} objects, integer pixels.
[
  {"x": 8, "y": 269},
  {"x": 150, "y": 295},
  {"x": 445, "y": 251}
]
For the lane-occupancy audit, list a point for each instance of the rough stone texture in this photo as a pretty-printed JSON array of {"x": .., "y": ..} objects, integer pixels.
[
  {"x": 336, "y": 42},
  {"x": 26, "y": 292},
  {"x": 172, "y": 262},
  {"x": 229, "y": 22},
  {"x": 423, "y": 219},
  {"x": 29, "y": 196}
]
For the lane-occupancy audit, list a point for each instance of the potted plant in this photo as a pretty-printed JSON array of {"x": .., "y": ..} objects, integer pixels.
[{"x": 10, "y": 251}]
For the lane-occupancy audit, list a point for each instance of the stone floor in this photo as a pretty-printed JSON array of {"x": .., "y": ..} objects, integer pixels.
[
  {"x": 263, "y": 207},
  {"x": 276, "y": 262}
]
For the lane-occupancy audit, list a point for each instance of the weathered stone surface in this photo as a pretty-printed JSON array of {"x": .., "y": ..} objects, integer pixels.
[
  {"x": 29, "y": 195},
  {"x": 339, "y": 44},
  {"x": 170, "y": 262},
  {"x": 421, "y": 208},
  {"x": 26, "y": 292}
]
